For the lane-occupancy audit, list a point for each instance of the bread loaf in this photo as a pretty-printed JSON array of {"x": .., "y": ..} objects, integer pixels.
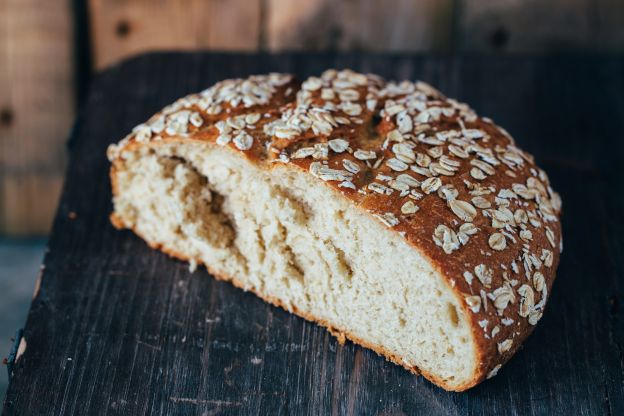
[{"x": 384, "y": 211}]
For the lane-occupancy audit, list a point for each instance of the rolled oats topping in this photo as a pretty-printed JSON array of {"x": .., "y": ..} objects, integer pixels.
[
  {"x": 484, "y": 274},
  {"x": 446, "y": 238},
  {"x": 397, "y": 165},
  {"x": 502, "y": 297},
  {"x": 474, "y": 303},
  {"x": 255, "y": 90},
  {"x": 430, "y": 185},
  {"x": 494, "y": 371},
  {"x": 409, "y": 208},
  {"x": 497, "y": 241},
  {"x": 527, "y": 300},
  {"x": 365, "y": 154},
  {"x": 243, "y": 141},
  {"x": 505, "y": 346},
  {"x": 468, "y": 228},
  {"x": 464, "y": 210},
  {"x": 350, "y": 166},
  {"x": 338, "y": 145}
]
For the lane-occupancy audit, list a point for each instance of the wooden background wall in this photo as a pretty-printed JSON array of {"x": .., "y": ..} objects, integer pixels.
[{"x": 48, "y": 47}]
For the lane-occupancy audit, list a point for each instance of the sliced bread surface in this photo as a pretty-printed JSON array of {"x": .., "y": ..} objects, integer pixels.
[{"x": 393, "y": 216}]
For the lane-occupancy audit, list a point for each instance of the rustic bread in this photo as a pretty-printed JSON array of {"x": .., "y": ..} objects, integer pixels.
[{"x": 392, "y": 215}]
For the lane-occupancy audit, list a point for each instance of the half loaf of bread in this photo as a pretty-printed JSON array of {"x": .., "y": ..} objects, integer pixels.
[{"x": 388, "y": 213}]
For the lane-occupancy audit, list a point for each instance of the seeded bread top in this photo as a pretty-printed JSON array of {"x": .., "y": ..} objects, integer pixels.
[{"x": 453, "y": 184}]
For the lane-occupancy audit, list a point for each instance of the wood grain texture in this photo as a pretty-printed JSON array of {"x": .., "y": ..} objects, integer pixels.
[
  {"x": 371, "y": 25},
  {"x": 541, "y": 26},
  {"x": 117, "y": 328},
  {"x": 36, "y": 110},
  {"x": 121, "y": 28}
]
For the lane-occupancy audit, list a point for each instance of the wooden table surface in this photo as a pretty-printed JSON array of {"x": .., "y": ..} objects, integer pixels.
[{"x": 116, "y": 328}]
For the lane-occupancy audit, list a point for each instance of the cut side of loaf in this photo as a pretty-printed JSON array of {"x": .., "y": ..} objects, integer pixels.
[{"x": 389, "y": 214}]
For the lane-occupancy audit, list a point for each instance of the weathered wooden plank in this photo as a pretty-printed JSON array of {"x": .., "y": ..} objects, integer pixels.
[
  {"x": 369, "y": 25},
  {"x": 123, "y": 28},
  {"x": 36, "y": 110},
  {"x": 541, "y": 26},
  {"x": 120, "y": 29},
  {"x": 117, "y": 328}
]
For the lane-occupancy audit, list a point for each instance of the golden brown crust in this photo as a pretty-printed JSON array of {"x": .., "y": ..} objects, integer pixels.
[{"x": 454, "y": 185}]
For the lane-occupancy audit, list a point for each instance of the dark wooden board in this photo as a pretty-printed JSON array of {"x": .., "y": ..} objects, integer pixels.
[{"x": 117, "y": 328}]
